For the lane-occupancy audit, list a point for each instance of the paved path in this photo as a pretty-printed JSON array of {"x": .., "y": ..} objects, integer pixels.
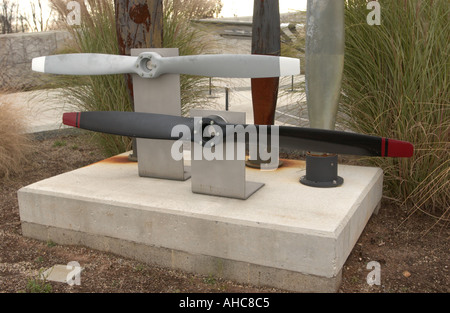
[
  {"x": 43, "y": 109},
  {"x": 291, "y": 106}
]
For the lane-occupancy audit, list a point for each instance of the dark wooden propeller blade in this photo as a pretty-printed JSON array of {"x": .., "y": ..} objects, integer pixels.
[{"x": 160, "y": 126}]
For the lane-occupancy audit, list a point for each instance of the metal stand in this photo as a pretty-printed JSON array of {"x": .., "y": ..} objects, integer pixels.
[
  {"x": 324, "y": 57},
  {"x": 158, "y": 95},
  {"x": 321, "y": 171},
  {"x": 224, "y": 177}
]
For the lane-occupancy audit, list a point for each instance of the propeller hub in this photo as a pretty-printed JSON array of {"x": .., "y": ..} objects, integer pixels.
[{"x": 146, "y": 64}]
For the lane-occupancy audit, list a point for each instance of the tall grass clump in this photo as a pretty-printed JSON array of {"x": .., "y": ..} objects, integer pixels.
[
  {"x": 396, "y": 83},
  {"x": 97, "y": 34},
  {"x": 178, "y": 33},
  {"x": 14, "y": 143}
]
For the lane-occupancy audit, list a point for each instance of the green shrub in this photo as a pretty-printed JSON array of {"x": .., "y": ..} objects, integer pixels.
[
  {"x": 96, "y": 34},
  {"x": 38, "y": 284},
  {"x": 178, "y": 33},
  {"x": 396, "y": 83}
]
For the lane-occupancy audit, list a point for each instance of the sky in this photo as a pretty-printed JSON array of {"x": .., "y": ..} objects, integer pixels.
[{"x": 233, "y": 7}]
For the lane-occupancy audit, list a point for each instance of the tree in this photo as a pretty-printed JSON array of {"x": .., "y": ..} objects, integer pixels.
[
  {"x": 6, "y": 16},
  {"x": 38, "y": 22},
  {"x": 13, "y": 17}
]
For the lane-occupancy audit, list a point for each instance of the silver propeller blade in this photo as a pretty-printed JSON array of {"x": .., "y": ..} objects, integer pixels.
[
  {"x": 152, "y": 65},
  {"x": 84, "y": 64},
  {"x": 228, "y": 65}
]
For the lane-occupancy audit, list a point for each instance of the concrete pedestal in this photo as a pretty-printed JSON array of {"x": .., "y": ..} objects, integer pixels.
[{"x": 287, "y": 235}]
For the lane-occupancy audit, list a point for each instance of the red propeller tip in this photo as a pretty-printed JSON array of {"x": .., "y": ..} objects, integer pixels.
[
  {"x": 397, "y": 148},
  {"x": 71, "y": 119}
]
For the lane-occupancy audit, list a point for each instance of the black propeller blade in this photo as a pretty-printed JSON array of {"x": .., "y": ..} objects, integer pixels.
[{"x": 160, "y": 126}]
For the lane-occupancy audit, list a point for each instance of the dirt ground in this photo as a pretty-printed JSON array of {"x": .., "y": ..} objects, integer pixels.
[{"x": 412, "y": 251}]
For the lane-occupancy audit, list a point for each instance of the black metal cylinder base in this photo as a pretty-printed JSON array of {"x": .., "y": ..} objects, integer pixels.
[{"x": 321, "y": 171}]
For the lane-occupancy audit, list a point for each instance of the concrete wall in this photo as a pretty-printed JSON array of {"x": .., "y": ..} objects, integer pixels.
[{"x": 17, "y": 51}]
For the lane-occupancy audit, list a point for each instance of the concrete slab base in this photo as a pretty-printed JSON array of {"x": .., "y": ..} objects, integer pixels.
[{"x": 286, "y": 235}]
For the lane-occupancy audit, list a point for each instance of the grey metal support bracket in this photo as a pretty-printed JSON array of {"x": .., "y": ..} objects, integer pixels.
[
  {"x": 221, "y": 177},
  {"x": 158, "y": 95}
]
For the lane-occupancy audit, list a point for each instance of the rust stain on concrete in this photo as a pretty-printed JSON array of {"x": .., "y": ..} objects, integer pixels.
[
  {"x": 289, "y": 163},
  {"x": 118, "y": 159}
]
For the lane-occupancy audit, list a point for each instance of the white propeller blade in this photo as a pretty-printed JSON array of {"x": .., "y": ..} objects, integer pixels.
[
  {"x": 152, "y": 65},
  {"x": 229, "y": 65},
  {"x": 84, "y": 64}
]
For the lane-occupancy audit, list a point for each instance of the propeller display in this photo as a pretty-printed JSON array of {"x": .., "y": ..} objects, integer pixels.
[
  {"x": 152, "y": 65},
  {"x": 160, "y": 126}
]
